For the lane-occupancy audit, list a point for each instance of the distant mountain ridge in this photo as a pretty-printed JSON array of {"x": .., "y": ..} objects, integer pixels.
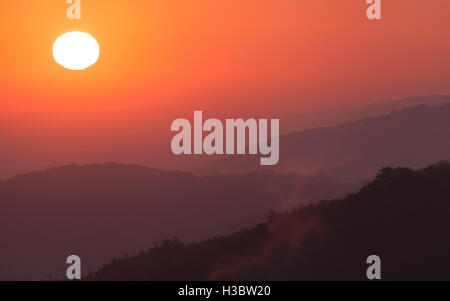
[
  {"x": 28, "y": 151},
  {"x": 415, "y": 137},
  {"x": 345, "y": 114}
]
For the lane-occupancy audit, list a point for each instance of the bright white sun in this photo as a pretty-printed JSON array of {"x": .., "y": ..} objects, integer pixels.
[{"x": 76, "y": 50}]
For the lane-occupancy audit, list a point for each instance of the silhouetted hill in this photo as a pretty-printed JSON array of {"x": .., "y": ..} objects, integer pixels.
[
  {"x": 97, "y": 211},
  {"x": 403, "y": 216},
  {"x": 345, "y": 114},
  {"x": 414, "y": 137}
]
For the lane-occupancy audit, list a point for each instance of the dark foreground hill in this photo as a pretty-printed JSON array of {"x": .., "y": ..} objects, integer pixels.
[
  {"x": 403, "y": 216},
  {"x": 98, "y": 211}
]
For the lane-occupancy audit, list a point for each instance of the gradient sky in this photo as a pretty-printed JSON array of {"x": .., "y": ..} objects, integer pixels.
[{"x": 162, "y": 59}]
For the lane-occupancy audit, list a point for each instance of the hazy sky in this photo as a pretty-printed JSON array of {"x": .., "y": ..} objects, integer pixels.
[{"x": 163, "y": 59}]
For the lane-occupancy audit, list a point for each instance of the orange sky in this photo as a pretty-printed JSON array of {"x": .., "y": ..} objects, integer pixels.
[{"x": 162, "y": 59}]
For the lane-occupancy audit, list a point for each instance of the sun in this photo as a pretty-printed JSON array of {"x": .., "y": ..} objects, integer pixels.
[{"x": 76, "y": 50}]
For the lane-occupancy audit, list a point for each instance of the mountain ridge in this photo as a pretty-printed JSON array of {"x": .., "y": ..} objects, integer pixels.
[
  {"x": 356, "y": 150},
  {"x": 98, "y": 210},
  {"x": 402, "y": 216}
]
